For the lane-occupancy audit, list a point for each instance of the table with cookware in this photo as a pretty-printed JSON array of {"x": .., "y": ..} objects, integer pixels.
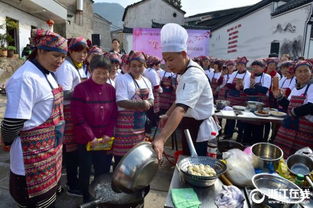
[
  {"x": 253, "y": 111},
  {"x": 205, "y": 195},
  {"x": 271, "y": 179}
]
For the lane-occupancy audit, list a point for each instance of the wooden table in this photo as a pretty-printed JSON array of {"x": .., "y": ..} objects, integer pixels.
[
  {"x": 206, "y": 195},
  {"x": 247, "y": 116}
]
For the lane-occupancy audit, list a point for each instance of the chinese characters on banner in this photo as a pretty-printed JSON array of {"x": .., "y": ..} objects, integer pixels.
[{"x": 147, "y": 40}]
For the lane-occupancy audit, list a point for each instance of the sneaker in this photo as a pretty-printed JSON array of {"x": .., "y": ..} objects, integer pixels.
[{"x": 74, "y": 192}]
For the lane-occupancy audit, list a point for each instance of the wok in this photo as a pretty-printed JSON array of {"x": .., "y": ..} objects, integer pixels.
[
  {"x": 103, "y": 195},
  {"x": 199, "y": 181}
]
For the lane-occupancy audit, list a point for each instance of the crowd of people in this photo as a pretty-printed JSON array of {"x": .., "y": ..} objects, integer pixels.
[{"x": 69, "y": 94}]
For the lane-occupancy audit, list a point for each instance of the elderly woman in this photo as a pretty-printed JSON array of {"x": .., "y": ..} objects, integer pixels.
[
  {"x": 69, "y": 75},
  {"x": 33, "y": 123},
  {"x": 296, "y": 131},
  {"x": 134, "y": 97},
  {"x": 94, "y": 113}
]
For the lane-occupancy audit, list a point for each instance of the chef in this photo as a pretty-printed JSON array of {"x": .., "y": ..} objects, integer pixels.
[
  {"x": 33, "y": 123},
  {"x": 193, "y": 108}
]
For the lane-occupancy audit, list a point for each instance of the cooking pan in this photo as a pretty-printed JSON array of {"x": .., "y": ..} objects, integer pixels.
[
  {"x": 103, "y": 195},
  {"x": 199, "y": 181},
  {"x": 301, "y": 164}
]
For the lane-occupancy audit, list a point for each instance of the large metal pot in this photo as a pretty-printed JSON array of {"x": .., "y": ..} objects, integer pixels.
[
  {"x": 136, "y": 169},
  {"x": 266, "y": 155}
]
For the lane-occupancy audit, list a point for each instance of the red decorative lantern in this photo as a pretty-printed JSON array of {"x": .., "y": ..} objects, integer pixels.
[{"x": 50, "y": 22}]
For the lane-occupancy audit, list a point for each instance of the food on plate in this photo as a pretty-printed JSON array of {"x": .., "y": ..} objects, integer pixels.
[
  {"x": 201, "y": 170},
  {"x": 262, "y": 112},
  {"x": 277, "y": 113}
]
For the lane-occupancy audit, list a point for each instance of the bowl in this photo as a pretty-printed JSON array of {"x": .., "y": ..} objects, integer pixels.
[
  {"x": 277, "y": 188},
  {"x": 265, "y": 155},
  {"x": 221, "y": 104},
  {"x": 300, "y": 164},
  {"x": 254, "y": 105}
]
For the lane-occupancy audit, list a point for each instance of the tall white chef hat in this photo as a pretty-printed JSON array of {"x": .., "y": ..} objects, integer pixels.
[{"x": 173, "y": 38}]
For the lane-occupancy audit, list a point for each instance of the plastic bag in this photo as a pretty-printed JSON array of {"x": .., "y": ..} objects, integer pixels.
[{"x": 239, "y": 167}]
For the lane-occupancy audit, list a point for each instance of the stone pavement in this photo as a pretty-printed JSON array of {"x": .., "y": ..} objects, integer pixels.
[{"x": 155, "y": 198}]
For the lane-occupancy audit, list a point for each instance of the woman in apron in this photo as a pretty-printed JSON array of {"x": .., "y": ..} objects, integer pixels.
[
  {"x": 134, "y": 97},
  {"x": 227, "y": 71},
  {"x": 260, "y": 84},
  {"x": 239, "y": 80},
  {"x": 34, "y": 123},
  {"x": 116, "y": 62},
  {"x": 70, "y": 74},
  {"x": 94, "y": 113},
  {"x": 296, "y": 130},
  {"x": 215, "y": 76},
  {"x": 205, "y": 64},
  {"x": 153, "y": 76},
  {"x": 167, "y": 97},
  {"x": 288, "y": 81}
]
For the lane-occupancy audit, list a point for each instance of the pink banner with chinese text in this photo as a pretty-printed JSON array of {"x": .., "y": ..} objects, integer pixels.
[{"x": 147, "y": 40}]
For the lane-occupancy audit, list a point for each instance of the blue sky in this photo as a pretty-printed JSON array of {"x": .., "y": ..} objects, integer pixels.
[{"x": 192, "y": 7}]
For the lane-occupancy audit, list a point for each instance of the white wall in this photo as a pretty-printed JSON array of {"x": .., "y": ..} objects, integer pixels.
[
  {"x": 128, "y": 42},
  {"x": 292, "y": 40},
  {"x": 103, "y": 28},
  {"x": 25, "y": 22},
  {"x": 253, "y": 40},
  {"x": 156, "y": 10},
  {"x": 257, "y": 31}
]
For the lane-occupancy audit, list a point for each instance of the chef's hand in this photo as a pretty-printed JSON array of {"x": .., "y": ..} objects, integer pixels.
[
  {"x": 158, "y": 145},
  {"x": 162, "y": 121}
]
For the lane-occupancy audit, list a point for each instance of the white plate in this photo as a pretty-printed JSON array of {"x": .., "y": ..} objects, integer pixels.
[
  {"x": 261, "y": 114},
  {"x": 239, "y": 107},
  {"x": 278, "y": 114}
]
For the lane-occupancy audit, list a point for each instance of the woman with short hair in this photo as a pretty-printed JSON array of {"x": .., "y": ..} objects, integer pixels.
[{"x": 94, "y": 113}]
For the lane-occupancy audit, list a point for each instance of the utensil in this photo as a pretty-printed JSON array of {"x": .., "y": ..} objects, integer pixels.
[
  {"x": 277, "y": 188},
  {"x": 266, "y": 154},
  {"x": 100, "y": 189},
  {"x": 199, "y": 181},
  {"x": 300, "y": 164},
  {"x": 136, "y": 169}
]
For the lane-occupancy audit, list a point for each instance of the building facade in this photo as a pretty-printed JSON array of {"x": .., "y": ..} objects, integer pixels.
[
  {"x": 270, "y": 26},
  {"x": 29, "y": 15},
  {"x": 142, "y": 15},
  {"x": 101, "y": 30}
]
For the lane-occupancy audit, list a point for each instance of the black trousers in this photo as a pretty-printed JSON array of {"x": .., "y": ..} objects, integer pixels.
[
  {"x": 152, "y": 120},
  {"x": 193, "y": 126},
  {"x": 18, "y": 191},
  {"x": 71, "y": 161},
  {"x": 101, "y": 161}
]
